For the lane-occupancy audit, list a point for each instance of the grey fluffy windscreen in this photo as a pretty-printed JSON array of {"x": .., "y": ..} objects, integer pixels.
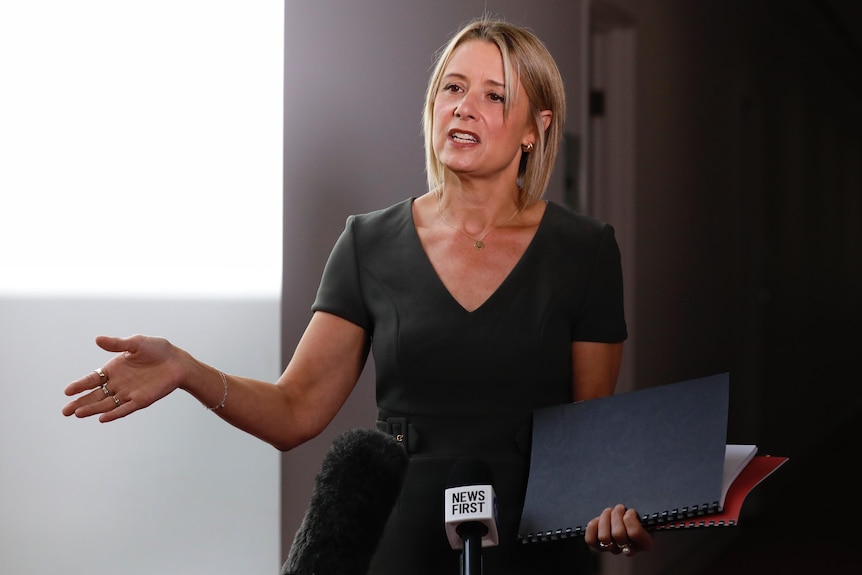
[{"x": 355, "y": 490}]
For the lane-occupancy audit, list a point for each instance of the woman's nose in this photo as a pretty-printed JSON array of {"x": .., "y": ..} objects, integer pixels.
[{"x": 465, "y": 108}]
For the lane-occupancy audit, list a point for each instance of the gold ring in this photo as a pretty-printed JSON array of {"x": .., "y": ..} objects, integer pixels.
[
  {"x": 103, "y": 379},
  {"x": 116, "y": 400},
  {"x": 105, "y": 389},
  {"x": 607, "y": 545}
]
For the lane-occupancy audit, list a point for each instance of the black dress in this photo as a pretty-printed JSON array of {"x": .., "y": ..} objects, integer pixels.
[{"x": 464, "y": 384}]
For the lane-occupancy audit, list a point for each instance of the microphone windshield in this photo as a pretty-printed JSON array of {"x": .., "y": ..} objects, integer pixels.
[
  {"x": 355, "y": 490},
  {"x": 469, "y": 472}
]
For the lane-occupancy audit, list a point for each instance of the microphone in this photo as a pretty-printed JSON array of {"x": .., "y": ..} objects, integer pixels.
[
  {"x": 471, "y": 512},
  {"x": 354, "y": 493}
]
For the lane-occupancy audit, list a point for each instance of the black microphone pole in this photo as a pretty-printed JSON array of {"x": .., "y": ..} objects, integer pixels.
[{"x": 471, "y": 557}]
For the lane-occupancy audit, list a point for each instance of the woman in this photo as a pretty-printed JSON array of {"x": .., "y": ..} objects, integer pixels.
[{"x": 476, "y": 289}]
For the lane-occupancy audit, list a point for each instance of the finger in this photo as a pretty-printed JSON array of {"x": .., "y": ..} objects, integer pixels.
[
  {"x": 94, "y": 403},
  {"x": 629, "y": 533},
  {"x": 591, "y": 533},
  {"x": 639, "y": 536},
  {"x": 92, "y": 380},
  {"x": 94, "y": 396},
  {"x": 618, "y": 526},
  {"x": 604, "y": 534},
  {"x": 108, "y": 406},
  {"x": 122, "y": 410},
  {"x": 88, "y": 405},
  {"x": 117, "y": 344},
  {"x": 604, "y": 529},
  {"x": 97, "y": 379}
]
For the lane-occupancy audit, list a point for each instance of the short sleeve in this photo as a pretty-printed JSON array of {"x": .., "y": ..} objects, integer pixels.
[
  {"x": 340, "y": 291},
  {"x": 602, "y": 317}
]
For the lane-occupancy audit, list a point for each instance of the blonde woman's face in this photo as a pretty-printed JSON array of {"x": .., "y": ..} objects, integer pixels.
[{"x": 471, "y": 137}]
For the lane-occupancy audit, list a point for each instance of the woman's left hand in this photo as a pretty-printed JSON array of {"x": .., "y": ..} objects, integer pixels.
[{"x": 618, "y": 530}]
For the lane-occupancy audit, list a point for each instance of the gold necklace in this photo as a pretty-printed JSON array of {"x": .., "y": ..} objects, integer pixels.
[{"x": 479, "y": 243}]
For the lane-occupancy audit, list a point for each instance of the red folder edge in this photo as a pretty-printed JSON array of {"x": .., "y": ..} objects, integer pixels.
[{"x": 758, "y": 469}]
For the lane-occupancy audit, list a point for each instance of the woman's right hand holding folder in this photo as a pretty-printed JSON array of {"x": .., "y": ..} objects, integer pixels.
[{"x": 618, "y": 530}]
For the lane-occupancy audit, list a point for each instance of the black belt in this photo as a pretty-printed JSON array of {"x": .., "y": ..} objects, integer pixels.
[{"x": 489, "y": 435}]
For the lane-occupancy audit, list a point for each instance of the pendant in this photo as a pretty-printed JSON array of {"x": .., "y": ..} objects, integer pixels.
[{"x": 479, "y": 244}]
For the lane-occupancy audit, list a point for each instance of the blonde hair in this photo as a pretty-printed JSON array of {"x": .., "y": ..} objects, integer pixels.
[{"x": 525, "y": 58}]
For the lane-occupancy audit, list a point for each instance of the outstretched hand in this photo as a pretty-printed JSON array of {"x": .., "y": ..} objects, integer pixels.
[
  {"x": 618, "y": 530},
  {"x": 144, "y": 370}
]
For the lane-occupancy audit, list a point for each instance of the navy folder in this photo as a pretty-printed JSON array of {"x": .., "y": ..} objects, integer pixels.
[{"x": 659, "y": 450}]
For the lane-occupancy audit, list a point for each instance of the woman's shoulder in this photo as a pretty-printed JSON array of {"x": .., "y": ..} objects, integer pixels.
[
  {"x": 571, "y": 242},
  {"x": 564, "y": 220},
  {"x": 383, "y": 223},
  {"x": 395, "y": 212}
]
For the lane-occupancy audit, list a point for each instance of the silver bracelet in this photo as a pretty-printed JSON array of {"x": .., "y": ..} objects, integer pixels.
[{"x": 223, "y": 399}]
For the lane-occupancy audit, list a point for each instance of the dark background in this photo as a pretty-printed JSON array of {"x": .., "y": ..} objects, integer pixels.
[{"x": 750, "y": 224}]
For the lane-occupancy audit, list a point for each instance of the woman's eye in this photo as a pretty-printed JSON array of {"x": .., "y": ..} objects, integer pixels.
[
  {"x": 497, "y": 97},
  {"x": 451, "y": 88}
]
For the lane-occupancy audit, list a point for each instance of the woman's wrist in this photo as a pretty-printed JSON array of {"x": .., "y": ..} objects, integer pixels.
[
  {"x": 205, "y": 383},
  {"x": 220, "y": 405}
]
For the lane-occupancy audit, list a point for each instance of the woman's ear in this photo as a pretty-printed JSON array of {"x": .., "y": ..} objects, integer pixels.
[{"x": 546, "y": 116}]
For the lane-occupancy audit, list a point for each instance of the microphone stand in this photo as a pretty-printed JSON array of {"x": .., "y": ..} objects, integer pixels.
[{"x": 471, "y": 533}]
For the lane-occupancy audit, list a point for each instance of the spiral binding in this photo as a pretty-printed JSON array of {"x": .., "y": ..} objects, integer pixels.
[
  {"x": 677, "y": 519},
  {"x": 700, "y": 523}
]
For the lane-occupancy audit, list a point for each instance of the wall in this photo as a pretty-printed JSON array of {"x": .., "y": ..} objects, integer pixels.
[
  {"x": 168, "y": 490},
  {"x": 138, "y": 143}
]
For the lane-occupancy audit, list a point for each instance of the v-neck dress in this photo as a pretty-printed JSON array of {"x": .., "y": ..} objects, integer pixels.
[{"x": 463, "y": 384}]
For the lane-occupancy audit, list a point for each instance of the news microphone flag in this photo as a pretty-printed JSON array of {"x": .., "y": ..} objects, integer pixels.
[{"x": 470, "y": 499}]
